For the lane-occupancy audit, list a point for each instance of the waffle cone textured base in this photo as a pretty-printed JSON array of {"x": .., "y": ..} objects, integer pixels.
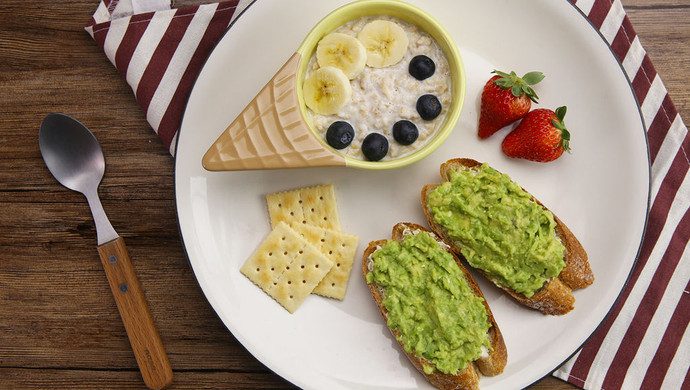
[{"x": 271, "y": 132}]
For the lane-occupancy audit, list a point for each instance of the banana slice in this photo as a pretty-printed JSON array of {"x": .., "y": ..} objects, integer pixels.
[
  {"x": 342, "y": 51},
  {"x": 327, "y": 90},
  {"x": 385, "y": 41}
]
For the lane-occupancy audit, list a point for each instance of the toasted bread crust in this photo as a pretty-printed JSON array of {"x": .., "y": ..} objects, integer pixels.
[
  {"x": 555, "y": 297},
  {"x": 468, "y": 378}
]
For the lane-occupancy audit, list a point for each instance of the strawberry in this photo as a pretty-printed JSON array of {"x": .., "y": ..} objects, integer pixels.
[
  {"x": 505, "y": 99},
  {"x": 541, "y": 136}
]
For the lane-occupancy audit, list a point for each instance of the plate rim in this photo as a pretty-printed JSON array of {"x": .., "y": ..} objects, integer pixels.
[{"x": 557, "y": 365}]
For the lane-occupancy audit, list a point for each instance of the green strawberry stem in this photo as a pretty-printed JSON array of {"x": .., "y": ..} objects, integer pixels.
[
  {"x": 519, "y": 85},
  {"x": 560, "y": 125}
]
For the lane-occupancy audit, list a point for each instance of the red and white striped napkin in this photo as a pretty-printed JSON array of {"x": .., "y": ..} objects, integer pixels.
[
  {"x": 643, "y": 343},
  {"x": 160, "y": 51}
]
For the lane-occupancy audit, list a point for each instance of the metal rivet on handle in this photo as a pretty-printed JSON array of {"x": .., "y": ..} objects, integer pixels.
[
  {"x": 123, "y": 288},
  {"x": 112, "y": 259}
]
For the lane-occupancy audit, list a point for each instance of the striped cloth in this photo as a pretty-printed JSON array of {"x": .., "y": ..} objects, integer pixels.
[
  {"x": 160, "y": 51},
  {"x": 643, "y": 343}
]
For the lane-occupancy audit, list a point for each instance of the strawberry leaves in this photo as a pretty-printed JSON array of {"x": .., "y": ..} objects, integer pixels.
[
  {"x": 519, "y": 85},
  {"x": 560, "y": 125}
]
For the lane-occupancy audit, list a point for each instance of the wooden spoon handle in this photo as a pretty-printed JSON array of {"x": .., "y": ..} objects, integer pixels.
[{"x": 143, "y": 335}]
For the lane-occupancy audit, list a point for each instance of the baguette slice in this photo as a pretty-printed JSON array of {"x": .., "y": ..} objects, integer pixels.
[
  {"x": 467, "y": 378},
  {"x": 556, "y": 296}
]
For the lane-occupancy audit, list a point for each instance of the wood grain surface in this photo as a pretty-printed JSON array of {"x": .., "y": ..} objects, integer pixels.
[{"x": 59, "y": 325}]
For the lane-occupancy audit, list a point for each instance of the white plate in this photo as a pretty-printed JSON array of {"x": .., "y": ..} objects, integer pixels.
[{"x": 600, "y": 191}]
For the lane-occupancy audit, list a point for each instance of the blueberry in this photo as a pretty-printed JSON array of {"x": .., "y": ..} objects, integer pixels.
[
  {"x": 422, "y": 67},
  {"x": 428, "y": 107},
  {"x": 405, "y": 132},
  {"x": 375, "y": 146},
  {"x": 340, "y": 134}
]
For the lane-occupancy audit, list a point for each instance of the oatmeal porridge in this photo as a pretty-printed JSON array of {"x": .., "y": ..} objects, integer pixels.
[{"x": 388, "y": 109}]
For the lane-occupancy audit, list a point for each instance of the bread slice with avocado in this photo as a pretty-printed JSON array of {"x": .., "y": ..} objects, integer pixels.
[
  {"x": 507, "y": 235},
  {"x": 434, "y": 308}
]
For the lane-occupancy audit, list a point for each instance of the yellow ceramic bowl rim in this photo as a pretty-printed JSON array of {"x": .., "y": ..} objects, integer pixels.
[{"x": 408, "y": 13}]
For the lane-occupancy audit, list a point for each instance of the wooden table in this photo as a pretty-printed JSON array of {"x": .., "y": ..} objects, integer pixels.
[{"x": 59, "y": 326}]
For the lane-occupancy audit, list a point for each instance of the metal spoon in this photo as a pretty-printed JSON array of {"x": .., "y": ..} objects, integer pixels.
[{"x": 74, "y": 157}]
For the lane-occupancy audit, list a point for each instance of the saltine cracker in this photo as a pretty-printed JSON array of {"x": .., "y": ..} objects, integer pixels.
[
  {"x": 286, "y": 266},
  {"x": 338, "y": 246},
  {"x": 310, "y": 205}
]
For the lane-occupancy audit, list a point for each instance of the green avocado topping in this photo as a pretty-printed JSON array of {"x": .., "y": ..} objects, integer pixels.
[
  {"x": 499, "y": 228},
  {"x": 430, "y": 303}
]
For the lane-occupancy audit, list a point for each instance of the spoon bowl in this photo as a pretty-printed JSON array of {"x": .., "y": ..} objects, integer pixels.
[{"x": 71, "y": 152}]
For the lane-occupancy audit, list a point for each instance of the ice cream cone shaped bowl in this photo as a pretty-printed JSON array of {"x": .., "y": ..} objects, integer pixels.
[{"x": 276, "y": 130}]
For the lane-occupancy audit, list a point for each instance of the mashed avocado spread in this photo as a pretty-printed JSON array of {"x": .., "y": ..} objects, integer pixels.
[
  {"x": 430, "y": 303},
  {"x": 500, "y": 229}
]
